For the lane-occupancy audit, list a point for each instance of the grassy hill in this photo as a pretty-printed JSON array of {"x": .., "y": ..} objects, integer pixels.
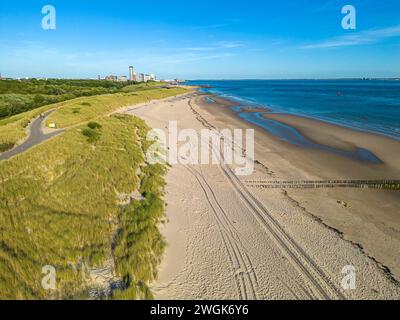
[
  {"x": 72, "y": 112},
  {"x": 81, "y": 200}
]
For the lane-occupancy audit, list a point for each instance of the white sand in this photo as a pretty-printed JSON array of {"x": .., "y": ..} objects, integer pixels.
[{"x": 229, "y": 242}]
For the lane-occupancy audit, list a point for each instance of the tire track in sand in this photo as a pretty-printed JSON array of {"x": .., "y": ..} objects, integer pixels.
[
  {"x": 245, "y": 278},
  {"x": 303, "y": 263}
]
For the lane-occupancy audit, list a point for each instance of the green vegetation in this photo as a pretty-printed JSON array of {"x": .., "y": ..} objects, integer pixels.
[
  {"x": 13, "y": 129},
  {"x": 76, "y": 111},
  {"x": 140, "y": 218},
  {"x": 91, "y": 134},
  {"x": 6, "y": 146},
  {"x": 141, "y": 233},
  {"x": 20, "y": 96},
  {"x": 60, "y": 202},
  {"x": 144, "y": 86},
  {"x": 94, "y": 125},
  {"x": 105, "y": 104},
  {"x": 59, "y": 207}
]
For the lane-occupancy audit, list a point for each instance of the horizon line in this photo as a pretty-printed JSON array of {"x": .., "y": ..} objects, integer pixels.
[{"x": 210, "y": 79}]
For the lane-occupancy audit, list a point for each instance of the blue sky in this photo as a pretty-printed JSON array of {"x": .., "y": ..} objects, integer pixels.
[{"x": 205, "y": 39}]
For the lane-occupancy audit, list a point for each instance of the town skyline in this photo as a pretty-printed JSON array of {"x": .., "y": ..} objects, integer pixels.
[{"x": 132, "y": 76}]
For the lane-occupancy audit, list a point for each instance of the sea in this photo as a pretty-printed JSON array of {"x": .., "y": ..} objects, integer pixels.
[{"x": 367, "y": 105}]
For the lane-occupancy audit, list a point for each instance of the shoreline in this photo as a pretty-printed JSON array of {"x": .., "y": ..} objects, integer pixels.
[
  {"x": 319, "y": 132},
  {"x": 372, "y": 119},
  {"x": 210, "y": 228},
  {"x": 367, "y": 218},
  {"x": 348, "y": 138},
  {"x": 253, "y": 107}
]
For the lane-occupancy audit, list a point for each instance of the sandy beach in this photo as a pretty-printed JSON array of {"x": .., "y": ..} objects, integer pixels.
[{"x": 229, "y": 239}]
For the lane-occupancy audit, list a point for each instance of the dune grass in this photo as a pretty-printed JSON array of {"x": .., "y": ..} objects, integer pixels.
[
  {"x": 60, "y": 202},
  {"x": 141, "y": 219},
  {"x": 59, "y": 207},
  {"x": 100, "y": 105},
  {"x": 143, "y": 86},
  {"x": 76, "y": 111}
]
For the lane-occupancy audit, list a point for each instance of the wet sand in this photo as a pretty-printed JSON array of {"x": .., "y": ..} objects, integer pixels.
[
  {"x": 228, "y": 240},
  {"x": 368, "y": 218}
]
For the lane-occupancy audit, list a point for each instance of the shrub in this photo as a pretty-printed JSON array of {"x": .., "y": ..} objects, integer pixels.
[
  {"x": 91, "y": 134},
  {"x": 4, "y": 146},
  {"x": 94, "y": 125},
  {"x": 38, "y": 99},
  {"x": 86, "y": 104},
  {"x": 25, "y": 123}
]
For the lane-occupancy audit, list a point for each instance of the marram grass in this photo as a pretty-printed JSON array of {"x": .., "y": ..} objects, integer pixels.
[
  {"x": 59, "y": 204},
  {"x": 73, "y": 112}
]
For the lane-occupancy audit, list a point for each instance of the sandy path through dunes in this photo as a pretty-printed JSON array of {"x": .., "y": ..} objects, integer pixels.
[{"x": 226, "y": 243}]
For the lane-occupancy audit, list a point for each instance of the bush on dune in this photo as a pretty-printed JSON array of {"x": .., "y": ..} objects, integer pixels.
[
  {"x": 4, "y": 146},
  {"x": 92, "y": 135},
  {"x": 94, "y": 125}
]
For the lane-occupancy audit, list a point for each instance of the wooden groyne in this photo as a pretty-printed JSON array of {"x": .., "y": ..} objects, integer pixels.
[{"x": 306, "y": 184}]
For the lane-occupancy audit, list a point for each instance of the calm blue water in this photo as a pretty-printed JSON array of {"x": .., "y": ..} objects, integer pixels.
[{"x": 372, "y": 105}]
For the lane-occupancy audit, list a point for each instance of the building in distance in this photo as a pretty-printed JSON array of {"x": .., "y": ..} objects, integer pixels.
[
  {"x": 111, "y": 78},
  {"x": 141, "y": 77},
  {"x": 131, "y": 74},
  {"x": 133, "y": 77}
]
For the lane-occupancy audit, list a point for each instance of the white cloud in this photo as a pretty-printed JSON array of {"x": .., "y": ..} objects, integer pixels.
[
  {"x": 230, "y": 44},
  {"x": 217, "y": 46},
  {"x": 360, "y": 38}
]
